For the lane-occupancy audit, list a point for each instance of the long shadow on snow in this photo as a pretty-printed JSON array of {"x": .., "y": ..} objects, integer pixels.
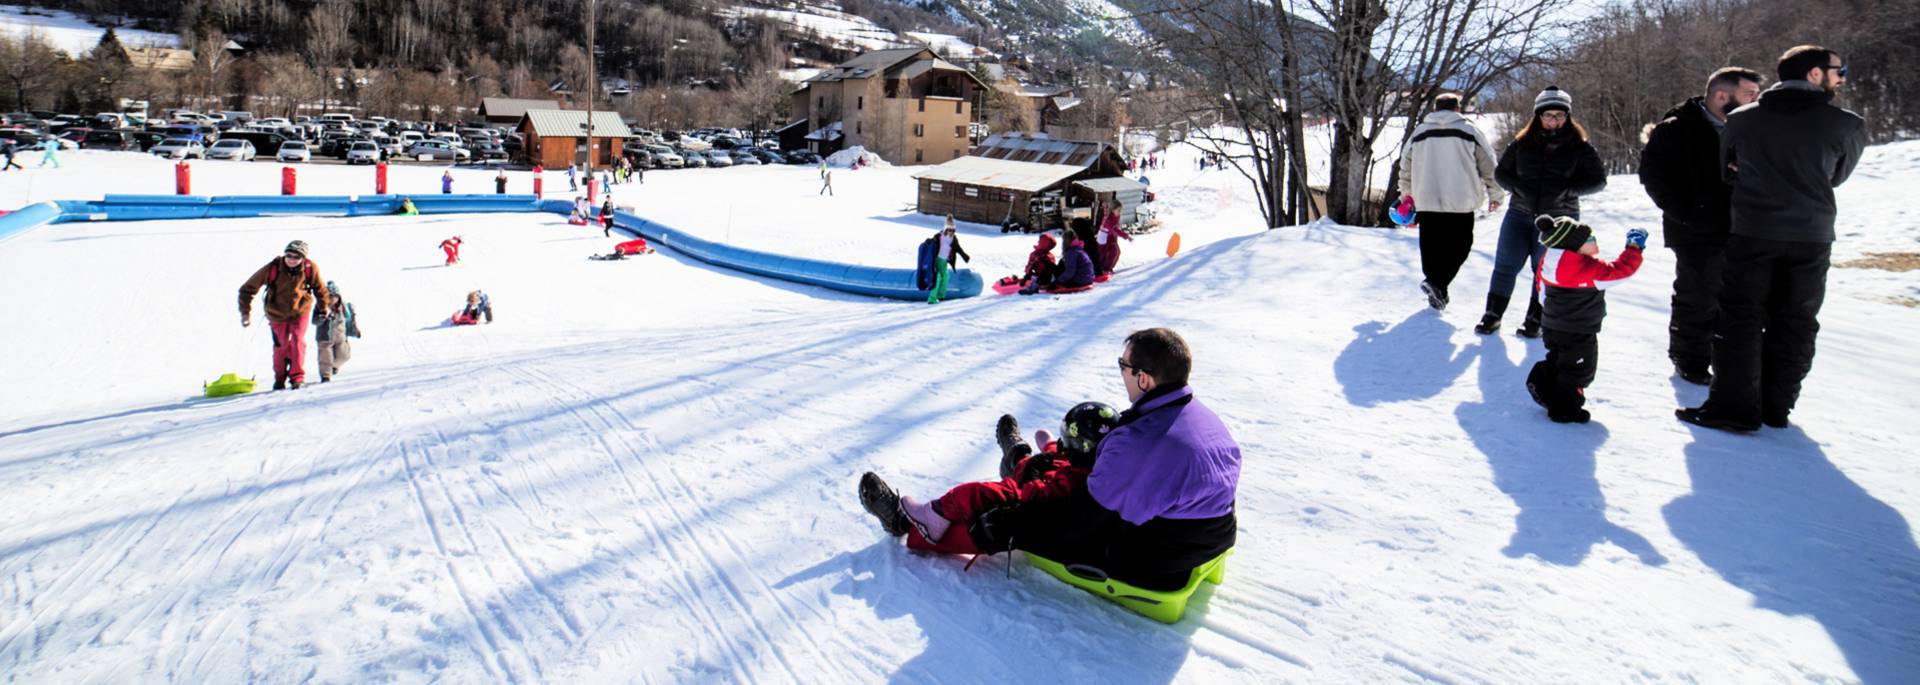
[
  {"x": 1547, "y": 468},
  {"x": 1774, "y": 517},
  {"x": 1023, "y": 648},
  {"x": 1414, "y": 360}
]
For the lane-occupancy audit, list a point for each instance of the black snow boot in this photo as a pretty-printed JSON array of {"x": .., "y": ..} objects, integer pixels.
[
  {"x": 1698, "y": 416},
  {"x": 1013, "y": 448},
  {"x": 1490, "y": 321},
  {"x": 883, "y": 503},
  {"x": 1531, "y": 327},
  {"x": 1695, "y": 372},
  {"x": 1435, "y": 299}
]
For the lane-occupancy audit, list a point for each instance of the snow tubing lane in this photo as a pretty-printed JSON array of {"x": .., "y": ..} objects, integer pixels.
[{"x": 851, "y": 278}]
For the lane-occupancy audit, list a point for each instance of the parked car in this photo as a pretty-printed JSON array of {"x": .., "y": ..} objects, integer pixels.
[
  {"x": 146, "y": 139},
  {"x": 437, "y": 150},
  {"x": 22, "y": 137},
  {"x": 744, "y": 156},
  {"x": 488, "y": 149},
  {"x": 802, "y": 157},
  {"x": 180, "y": 148},
  {"x": 22, "y": 119},
  {"x": 294, "y": 151},
  {"x": 723, "y": 142},
  {"x": 665, "y": 158},
  {"x": 74, "y": 135},
  {"x": 767, "y": 156},
  {"x": 363, "y": 152},
  {"x": 694, "y": 160},
  {"x": 264, "y": 142},
  {"x": 235, "y": 149},
  {"x": 110, "y": 140}
]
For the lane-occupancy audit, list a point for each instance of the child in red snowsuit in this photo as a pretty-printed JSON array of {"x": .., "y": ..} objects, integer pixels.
[
  {"x": 451, "y": 246},
  {"x": 950, "y": 522}
]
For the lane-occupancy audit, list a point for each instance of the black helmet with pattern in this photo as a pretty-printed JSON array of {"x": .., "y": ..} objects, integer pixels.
[{"x": 1085, "y": 425}]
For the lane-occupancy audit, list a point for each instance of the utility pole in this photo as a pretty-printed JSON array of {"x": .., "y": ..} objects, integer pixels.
[{"x": 593, "y": 80}]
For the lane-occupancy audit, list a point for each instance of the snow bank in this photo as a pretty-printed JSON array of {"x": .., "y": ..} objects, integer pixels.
[{"x": 846, "y": 158}]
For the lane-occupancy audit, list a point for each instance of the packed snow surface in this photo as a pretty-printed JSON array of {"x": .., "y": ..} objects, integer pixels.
[
  {"x": 645, "y": 470},
  {"x": 69, "y": 33}
]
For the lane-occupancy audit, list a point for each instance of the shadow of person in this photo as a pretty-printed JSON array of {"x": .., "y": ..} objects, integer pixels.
[
  {"x": 1775, "y": 518},
  {"x": 983, "y": 628},
  {"x": 1414, "y": 360},
  {"x": 1547, "y": 468}
]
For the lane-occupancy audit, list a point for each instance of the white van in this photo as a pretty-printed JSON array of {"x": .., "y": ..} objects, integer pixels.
[{"x": 337, "y": 116}]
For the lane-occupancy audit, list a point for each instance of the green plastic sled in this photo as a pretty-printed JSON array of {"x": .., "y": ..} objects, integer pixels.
[
  {"x": 230, "y": 384},
  {"x": 1165, "y": 607}
]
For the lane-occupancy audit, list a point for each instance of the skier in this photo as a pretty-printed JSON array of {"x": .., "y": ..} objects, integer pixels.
[
  {"x": 944, "y": 260},
  {"x": 1546, "y": 169},
  {"x": 49, "y": 147},
  {"x": 446, "y": 182},
  {"x": 1446, "y": 170},
  {"x": 333, "y": 324},
  {"x": 1573, "y": 283},
  {"x": 293, "y": 286},
  {"x": 451, "y": 246}
]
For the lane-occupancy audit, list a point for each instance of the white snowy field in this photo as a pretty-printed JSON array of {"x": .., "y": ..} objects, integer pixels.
[
  {"x": 71, "y": 33},
  {"x": 645, "y": 470}
]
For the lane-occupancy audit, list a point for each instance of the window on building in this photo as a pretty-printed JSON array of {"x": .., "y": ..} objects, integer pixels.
[
  {"x": 960, "y": 131},
  {"x": 936, "y": 187},
  {"x": 916, "y": 155},
  {"x": 860, "y": 102},
  {"x": 857, "y": 126},
  {"x": 972, "y": 191},
  {"x": 821, "y": 102},
  {"x": 919, "y": 130},
  {"x": 923, "y": 104},
  {"x": 956, "y": 106}
]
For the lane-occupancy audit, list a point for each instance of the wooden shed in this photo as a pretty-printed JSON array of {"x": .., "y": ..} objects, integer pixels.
[
  {"x": 556, "y": 138},
  {"x": 1124, "y": 194},
  {"x": 509, "y": 111},
  {"x": 1014, "y": 177}
]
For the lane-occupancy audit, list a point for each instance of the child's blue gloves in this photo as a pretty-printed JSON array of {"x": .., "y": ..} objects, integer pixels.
[{"x": 1637, "y": 238}]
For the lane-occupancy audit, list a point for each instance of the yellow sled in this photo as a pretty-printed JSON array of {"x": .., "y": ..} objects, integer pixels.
[
  {"x": 1165, "y": 607},
  {"x": 230, "y": 384}
]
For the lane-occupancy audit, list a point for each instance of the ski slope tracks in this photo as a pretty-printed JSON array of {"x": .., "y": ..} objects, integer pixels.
[{"x": 644, "y": 471}]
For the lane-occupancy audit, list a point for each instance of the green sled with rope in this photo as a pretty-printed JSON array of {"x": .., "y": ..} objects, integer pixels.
[
  {"x": 1165, "y": 607},
  {"x": 229, "y": 385}
]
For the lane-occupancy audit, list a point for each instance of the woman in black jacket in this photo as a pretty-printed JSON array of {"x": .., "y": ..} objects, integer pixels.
[{"x": 1546, "y": 169}]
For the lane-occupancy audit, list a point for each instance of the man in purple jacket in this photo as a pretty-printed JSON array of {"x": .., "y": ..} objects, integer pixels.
[{"x": 1160, "y": 499}]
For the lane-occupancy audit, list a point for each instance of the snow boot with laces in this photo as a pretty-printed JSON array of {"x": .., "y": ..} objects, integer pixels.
[
  {"x": 1490, "y": 321},
  {"x": 1012, "y": 447},
  {"x": 883, "y": 503}
]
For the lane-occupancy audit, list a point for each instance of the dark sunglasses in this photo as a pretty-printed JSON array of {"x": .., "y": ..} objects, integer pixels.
[
  {"x": 1129, "y": 367},
  {"x": 291, "y": 255},
  {"x": 1840, "y": 69}
]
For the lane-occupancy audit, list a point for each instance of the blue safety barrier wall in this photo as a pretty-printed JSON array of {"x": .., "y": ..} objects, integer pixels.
[{"x": 852, "y": 278}]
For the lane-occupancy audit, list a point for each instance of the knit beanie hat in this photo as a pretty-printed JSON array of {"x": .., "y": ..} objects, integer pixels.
[
  {"x": 1552, "y": 98},
  {"x": 298, "y": 247},
  {"x": 1566, "y": 233}
]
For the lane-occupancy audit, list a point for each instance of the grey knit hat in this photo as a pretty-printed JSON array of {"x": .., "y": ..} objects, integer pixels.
[
  {"x": 298, "y": 247},
  {"x": 1552, "y": 98}
]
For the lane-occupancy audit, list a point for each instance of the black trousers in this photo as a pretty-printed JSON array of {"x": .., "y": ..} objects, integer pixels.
[
  {"x": 1445, "y": 240},
  {"x": 1560, "y": 380},
  {"x": 1697, "y": 273},
  {"x": 1769, "y": 316}
]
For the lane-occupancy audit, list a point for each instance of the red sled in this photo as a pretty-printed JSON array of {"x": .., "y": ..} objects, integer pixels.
[
  {"x": 577, "y": 221},
  {"x": 460, "y": 318},
  {"x": 635, "y": 246},
  {"x": 1066, "y": 291}
]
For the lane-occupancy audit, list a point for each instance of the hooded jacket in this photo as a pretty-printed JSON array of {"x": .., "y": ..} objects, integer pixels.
[
  {"x": 1547, "y": 174},
  {"x": 1680, "y": 168},
  {"x": 1447, "y": 165},
  {"x": 291, "y": 293},
  {"x": 333, "y": 324},
  {"x": 1573, "y": 286},
  {"x": 1040, "y": 263},
  {"x": 1076, "y": 268},
  {"x": 1792, "y": 148}
]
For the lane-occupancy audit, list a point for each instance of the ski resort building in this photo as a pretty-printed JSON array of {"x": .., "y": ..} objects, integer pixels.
[
  {"x": 509, "y": 111},
  {"x": 1020, "y": 178},
  {"x": 558, "y": 137},
  {"x": 907, "y": 105}
]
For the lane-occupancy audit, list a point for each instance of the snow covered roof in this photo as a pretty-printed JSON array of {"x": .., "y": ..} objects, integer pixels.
[
  {"x": 572, "y": 123},
  {"x": 69, "y": 32},
  {"x": 1111, "y": 184},
  {"x": 1001, "y": 173},
  {"x": 828, "y": 132},
  {"x": 514, "y": 108}
]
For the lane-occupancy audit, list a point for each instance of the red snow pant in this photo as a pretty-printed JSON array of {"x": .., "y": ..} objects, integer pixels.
[
  {"x": 1109, "y": 256},
  {"x": 289, "y": 350},
  {"x": 966, "y": 501},
  {"x": 453, "y": 253}
]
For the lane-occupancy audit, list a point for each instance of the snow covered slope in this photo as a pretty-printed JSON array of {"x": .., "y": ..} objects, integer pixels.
[
  {"x": 69, "y": 33},
  {"x": 644, "y": 471}
]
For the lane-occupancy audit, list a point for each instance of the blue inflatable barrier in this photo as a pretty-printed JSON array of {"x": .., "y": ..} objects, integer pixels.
[{"x": 852, "y": 278}]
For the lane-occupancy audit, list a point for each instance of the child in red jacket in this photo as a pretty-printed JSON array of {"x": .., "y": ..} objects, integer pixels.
[
  {"x": 1573, "y": 283},
  {"x": 952, "y": 523}
]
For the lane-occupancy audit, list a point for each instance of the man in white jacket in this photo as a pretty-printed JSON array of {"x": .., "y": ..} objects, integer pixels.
[{"x": 1447, "y": 169}]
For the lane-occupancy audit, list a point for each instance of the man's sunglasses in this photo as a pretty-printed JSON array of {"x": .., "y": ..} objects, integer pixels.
[
  {"x": 1129, "y": 367},
  {"x": 1840, "y": 69}
]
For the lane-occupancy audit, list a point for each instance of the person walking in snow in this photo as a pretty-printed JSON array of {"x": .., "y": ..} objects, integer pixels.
[
  {"x": 1546, "y": 168},
  {"x": 826, "y": 182},
  {"x": 1158, "y": 498},
  {"x": 293, "y": 286},
  {"x": 573, "y": 173},
  {"x": 333, "y": 323},
  {"x": 49, "y": 147},
  {"x": 944, "y": 257},
  {"x": 451, "y": 246},
  {"x": 7, "y": 147},
  {"x": 1108, "y": 237},
  {"x": 500, "y": 182},
  {"x": 1784, "y": 155},
  {"x": 446, "y": 182},
  {"x": 1446, "y": 171},
  {"x": 606, "y": 217},
  {"x": 1574, "y": 281},
  {"x": 1680, "y": 168}
]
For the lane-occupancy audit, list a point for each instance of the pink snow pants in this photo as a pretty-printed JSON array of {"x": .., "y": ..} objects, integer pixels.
[{"x": 289, "y": 350}]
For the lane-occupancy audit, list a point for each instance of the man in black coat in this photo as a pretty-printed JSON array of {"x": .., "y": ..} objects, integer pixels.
[
  {"x": 1784, "y": 156},
  {"x": 1680, "y": 168}
]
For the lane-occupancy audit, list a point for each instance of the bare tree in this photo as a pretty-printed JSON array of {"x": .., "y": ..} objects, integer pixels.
[{"x": 28, "y": 64}]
